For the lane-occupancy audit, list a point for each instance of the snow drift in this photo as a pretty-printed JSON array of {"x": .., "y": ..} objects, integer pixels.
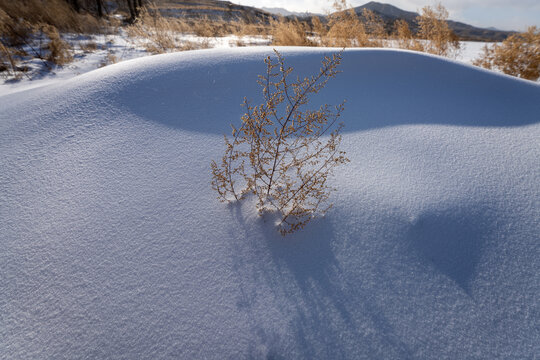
[{"x": 114, "y": 246}]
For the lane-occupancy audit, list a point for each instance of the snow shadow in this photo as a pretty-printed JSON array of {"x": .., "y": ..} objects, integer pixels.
[
  {"x": 382, "y": 88},
  {"x": 451, "y": 242},
  {"x": 328, "y": 315}
]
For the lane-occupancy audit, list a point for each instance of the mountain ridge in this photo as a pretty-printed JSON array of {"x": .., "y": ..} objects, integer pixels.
[
  {"x": 228, "y": 11},
  {"x": 390, "y": 13}
]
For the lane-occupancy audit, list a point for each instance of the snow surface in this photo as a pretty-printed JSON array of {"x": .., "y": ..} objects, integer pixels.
[
  {"x": 114, "y": 246},
  {"x": 122, "y": 48}
]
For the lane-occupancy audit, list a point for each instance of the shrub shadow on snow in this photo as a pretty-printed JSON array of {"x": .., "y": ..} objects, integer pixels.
[
  {"x": 452, "y": 241},
  {"x": 302, "y": 269},
  {"x": 382, "y": 88},
  {"x": 326, "y": 312}
]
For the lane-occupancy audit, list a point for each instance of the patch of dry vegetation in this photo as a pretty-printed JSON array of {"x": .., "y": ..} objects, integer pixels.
[
  {"x": 281, "y": 153},
  {"x": 345, "y": 28},
  {"x": 518, "y": 55},
  {"x": 290, "y": 33},
  {"x": 158, "y": 34},
  {"x": 405, "y": 38},
  {"x": 433, "y": 28},
  {"x": 32, "y": 28}
]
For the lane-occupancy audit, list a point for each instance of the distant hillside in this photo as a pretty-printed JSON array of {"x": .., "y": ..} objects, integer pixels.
[
  {"x": 285, "y": 12},
  {"x": 228, "y": 11},
  {"x": 390, "y": 14},
  {"x": 212, "y": 9}
]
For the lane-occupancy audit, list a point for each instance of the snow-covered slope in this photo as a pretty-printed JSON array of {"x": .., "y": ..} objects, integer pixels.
[{"x": 114, "y": 246}]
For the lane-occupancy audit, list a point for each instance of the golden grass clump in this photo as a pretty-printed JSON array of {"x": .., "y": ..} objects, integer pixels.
[
  {"x": 374, "y": 27},
  {"x": 246, "y": 28},
  {"x": 404, "y": 37},
  {"x": 318, "y": 27},
  {"x": 35, "y": 25},
  {"x": 206, "y": 27},
  {"x": 8, "y": 62},
  {"x": 518, "y": 55},
  {"x": 88, "y": 47},
  {"x": 57, "y": 13},
  {"x": 59, "y": 51},
  {"x": 159, "y": 34},
  {"x": 345, "y": 28},
  {"x": 434, "y": 28},
  {"x": 290, "y": 33}
]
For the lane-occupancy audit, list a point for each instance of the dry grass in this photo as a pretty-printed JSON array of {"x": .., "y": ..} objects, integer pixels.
[
  {"x": 88, "y": 47},
  {"x": 32, "y": 28},
  {"x": 8, "y": 61},
  {"x": 59, "y": 51},
  {"x": 158, "y": 34},
  {"x": 109, "y": 59},
  {"x": 317, "y": 27},
  {"x": 51, "y": 12},
  {"x": 374, "y": 27},
  {"x": 347, "y": 29},
  {"x": 434, "y": 28},
  {"x": 519, "y": 55},
  {"x": 245, "y": 28},
  {"x": 290, "y": 33},
  {"x": 405, "y": 38}
]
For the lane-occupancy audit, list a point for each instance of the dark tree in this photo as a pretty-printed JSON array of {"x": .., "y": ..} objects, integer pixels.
[
  {"x": 75, "y": 5},
  {"x": 99, "y": 6}
]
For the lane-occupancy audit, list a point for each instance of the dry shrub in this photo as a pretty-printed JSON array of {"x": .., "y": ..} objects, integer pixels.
[
  {"x": 318, "y": 27},
  {"x": 59, "y": 50},
  {"x": 374, "y": 26},
  {"x": 405, "y": 38},
  {"x": 518, "y": 55},
  {"x": 57, "y": 13},
  {"x": 158, "y": 34},
  {"x": 88, "y": 46},
  {"x": 206, "y": 27},
  {"x": 8, "y": 61},
  {"x": 278, "y": 153},
  {"x": 30, "y": 28},
  {"x": 345, "y": 28},
  {"x": 153, "y": 32},
  {"x": 109, "y": 59},
  {"x": 245, "y": 28},
  {"x": 8, "y": 58},
  {"x": 290, "y": 33},
  {"x": 434, "y": 28}
]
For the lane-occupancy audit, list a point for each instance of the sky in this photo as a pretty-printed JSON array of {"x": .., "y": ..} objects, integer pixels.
[{"x": 502, "y": 14}]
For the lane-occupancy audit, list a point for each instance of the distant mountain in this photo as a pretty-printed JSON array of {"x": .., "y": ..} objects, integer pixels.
[
  {"x": 285, "y": 12},
  {"x": 387, "y": 11},
  {"x": 390, "y": 14}
]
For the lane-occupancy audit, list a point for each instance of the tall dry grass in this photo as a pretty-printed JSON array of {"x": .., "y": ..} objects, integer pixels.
[
  {"x": 346, "y": 29},
  {"x": 290, "y": 33},
  {"x": 56, "y": 13},
  {"x": 374, "y": 27},
  {"x": 31, "y": 29},
  {"x": 405, "y": 38},
  {"x": 159, "y": 34},
  {"x": 433, "y": 27},
  {"x": 518, "y": 55}
]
